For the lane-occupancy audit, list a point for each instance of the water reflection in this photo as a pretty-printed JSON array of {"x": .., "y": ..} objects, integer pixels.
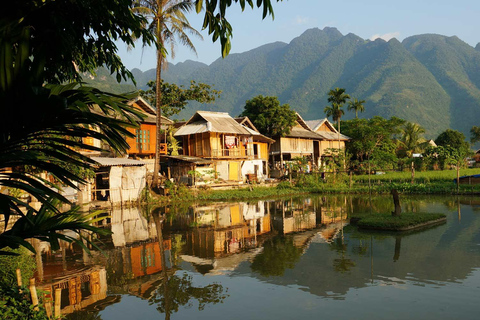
[{"x": 162, "y": 256}]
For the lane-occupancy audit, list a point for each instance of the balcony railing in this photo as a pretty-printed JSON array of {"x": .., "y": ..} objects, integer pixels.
[{"x": 232, "y": 153}]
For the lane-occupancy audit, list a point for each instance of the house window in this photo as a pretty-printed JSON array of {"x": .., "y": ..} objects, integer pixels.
[{"x": 143, "y": 140}]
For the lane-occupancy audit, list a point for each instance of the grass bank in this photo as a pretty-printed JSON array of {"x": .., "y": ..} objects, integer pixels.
[
  {"x": 404, "y": 222},
  {"x": 428, "y": 182}
]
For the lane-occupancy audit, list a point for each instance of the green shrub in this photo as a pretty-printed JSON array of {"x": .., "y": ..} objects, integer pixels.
[
  {"x": 10, "y": 263},
  {"x": 284, "y": 185},
  {"x": 16, "y": 305}
]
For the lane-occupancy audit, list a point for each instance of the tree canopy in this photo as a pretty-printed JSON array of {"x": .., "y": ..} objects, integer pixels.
[
  {"x": 373, "y": 139},
  {"x": 452, "y": 138},
  {"x": 269, "y": 117},
  {"x": 77, "y": 36},
  {"x": 174, "y": 98}
]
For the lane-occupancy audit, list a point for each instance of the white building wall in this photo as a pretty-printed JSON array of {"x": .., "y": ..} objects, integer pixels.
[
  {"x": 249, "y": 167},
  {"x": 222, "y": 169}
]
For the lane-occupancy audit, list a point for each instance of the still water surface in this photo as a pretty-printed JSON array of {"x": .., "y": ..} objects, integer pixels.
[{"x": 278, "y": 259}]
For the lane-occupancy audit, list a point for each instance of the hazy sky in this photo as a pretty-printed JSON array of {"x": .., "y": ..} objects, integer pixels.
[{"x": 368, "y": 19}]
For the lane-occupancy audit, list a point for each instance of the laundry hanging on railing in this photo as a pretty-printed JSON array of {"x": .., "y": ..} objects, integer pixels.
[{"x": 230, "y": 142}]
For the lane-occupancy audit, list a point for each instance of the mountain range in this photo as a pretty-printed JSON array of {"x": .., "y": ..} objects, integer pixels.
[{"x": 429, "y": 79}]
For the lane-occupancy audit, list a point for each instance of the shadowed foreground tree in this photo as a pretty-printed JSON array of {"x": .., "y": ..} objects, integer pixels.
[
  {"x": 269, "y": 117},
  {"x": 42, "y": 123}
]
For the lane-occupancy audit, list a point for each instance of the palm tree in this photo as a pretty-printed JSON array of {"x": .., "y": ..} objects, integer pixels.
[
  {"x": 167, "y": 23},
  {"x": 356, "y": 105},
  {"x": 337, "y": 97},
  {"x": 412, "y": 138}
]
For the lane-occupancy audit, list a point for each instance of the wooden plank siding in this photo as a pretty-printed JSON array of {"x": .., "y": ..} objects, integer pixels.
[
  {"x": 211, "y": 145},
  {"x": 293, "y": 145}
]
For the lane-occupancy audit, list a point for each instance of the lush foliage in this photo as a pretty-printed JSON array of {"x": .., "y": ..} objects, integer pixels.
[
  {"x": 453, "y": 139},
  {"x": 373, "y": 139},
  {"x": 87, "y": 40},
  {"x": 411, "y": 139},
  {"x": 174, "y": 98},
  {"x": 16, "y": 305},
  {"x": 268, "y": 116},
  {"x": 21, "y": 259},
  {"x": 47, "y": 225}
]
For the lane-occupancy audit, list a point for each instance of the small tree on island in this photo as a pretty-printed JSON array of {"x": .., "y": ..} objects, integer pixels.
[{"x": 268, "y": 116}]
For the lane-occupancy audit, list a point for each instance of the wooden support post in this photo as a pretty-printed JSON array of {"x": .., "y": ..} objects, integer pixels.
[
  {"x": 413, "y": 173},
  {"x": 33, "y": 294},
  {"x": 58, "y": 302},
  {"x": 19, "y": 277},
  {"x": 48, "y": 309}
]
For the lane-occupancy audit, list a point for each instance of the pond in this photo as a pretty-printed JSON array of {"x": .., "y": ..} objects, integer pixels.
[{"x": 275, "y": 259}]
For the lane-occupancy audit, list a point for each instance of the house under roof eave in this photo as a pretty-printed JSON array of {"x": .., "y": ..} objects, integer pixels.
[{"x": 209, "y": 121}]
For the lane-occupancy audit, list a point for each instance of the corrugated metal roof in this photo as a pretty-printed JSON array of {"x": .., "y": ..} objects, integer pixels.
[
  {"x": 315, "y": 124},
  {"x": 191, "y": 159},
  {"x": 112, "y": 162},
  {"x": 208, "y": 121}
]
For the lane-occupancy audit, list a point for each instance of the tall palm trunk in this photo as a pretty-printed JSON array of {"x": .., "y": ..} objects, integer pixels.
[{"x": 158, "y": 97}]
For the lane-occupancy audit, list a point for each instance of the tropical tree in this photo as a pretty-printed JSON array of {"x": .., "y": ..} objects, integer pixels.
[
  {"x": 167, "y": 22},
  {"x": 337, "y": 97},
  {"x": 174, "y": 98},
  {"x": 454, "y": 139},
  {"x": 356, "y": 105},
  {"x": 411, "y": 138},
  {"x": 475, "y": 134},
  {"x": 268, "y": 116}
]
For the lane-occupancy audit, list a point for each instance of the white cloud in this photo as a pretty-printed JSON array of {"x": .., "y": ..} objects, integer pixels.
[
  {"x": 301, "y": 20},
  {"x": 386, "y": 36}
]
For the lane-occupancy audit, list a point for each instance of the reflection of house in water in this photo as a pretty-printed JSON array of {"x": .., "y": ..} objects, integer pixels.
[
  {"x": 302, "y": 215},
  {"x": 226, "y": 228},
  {"x": 80, "y": 289},
  {"x": 291, "y": 216},
  {"x": 138, "y": 239}
]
